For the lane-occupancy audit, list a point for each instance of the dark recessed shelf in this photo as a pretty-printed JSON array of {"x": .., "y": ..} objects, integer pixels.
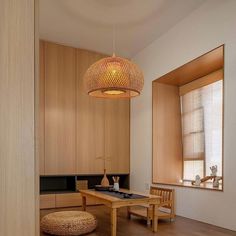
[
  {"x": 57, "y": 184},
  {"x": 67, "y": 184}
]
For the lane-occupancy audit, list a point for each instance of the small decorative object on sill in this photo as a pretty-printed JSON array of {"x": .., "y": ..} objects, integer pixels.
[
  {"x": 216, "y": 181},
  {"x": 213, "y": 170},
  {"x": 116, "y": 183},
  {"x": 105, "y": 181},
  {"x": 213, "y": 177},
  {"x": 197, "y": 180}
]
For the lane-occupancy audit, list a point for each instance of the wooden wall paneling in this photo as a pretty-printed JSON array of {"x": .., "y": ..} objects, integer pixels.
[
  {"x": 60, "y": 105},
  {"x": 117, "y": 128},
  {"x": 89, "y": 120},
  {"x": 41, "y": 113},
  {"x": 37, "y": 116},
  {"x": 81, "y": 141},
  {"x": 18, "y": 167},
  {"x": 167, "y": 136}
]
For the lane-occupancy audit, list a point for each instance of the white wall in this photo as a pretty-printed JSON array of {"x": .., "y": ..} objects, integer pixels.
[{"x": 211, "y": 25}]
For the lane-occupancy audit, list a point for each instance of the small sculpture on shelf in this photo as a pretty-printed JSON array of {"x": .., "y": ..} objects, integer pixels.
[
  {"x": 197, "y": 180},
  {"x": 213, "y": 170},
  {"x": 216, "y": 181}
]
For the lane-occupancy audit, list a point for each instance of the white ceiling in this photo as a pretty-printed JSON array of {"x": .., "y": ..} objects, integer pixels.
[{"x": 89, "y": 24}]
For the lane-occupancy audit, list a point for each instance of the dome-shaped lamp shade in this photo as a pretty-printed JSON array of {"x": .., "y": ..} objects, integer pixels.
[{"x": 113, "y": 77}]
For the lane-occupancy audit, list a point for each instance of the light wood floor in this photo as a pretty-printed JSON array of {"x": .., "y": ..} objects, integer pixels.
[{"x": 136, "y": 227}]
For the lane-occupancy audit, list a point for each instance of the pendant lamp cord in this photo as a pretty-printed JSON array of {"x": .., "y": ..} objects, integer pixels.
[
  {"x": 104, "y": 143},
  {"x": 114, "y": 40}
]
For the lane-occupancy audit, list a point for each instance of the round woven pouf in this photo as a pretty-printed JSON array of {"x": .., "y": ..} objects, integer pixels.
[{"x": 68, "y": 223}]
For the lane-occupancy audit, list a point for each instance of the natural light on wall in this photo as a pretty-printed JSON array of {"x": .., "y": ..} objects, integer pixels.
[{"x": 202, "y": 112}]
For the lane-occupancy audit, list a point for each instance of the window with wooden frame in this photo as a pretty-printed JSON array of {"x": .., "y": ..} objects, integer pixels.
[
  {"x": 201, "y": 112},
  {"x": 188, "y": 121}
]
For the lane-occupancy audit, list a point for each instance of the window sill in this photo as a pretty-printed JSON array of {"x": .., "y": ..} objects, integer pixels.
[{"x": 187, "y": 184}]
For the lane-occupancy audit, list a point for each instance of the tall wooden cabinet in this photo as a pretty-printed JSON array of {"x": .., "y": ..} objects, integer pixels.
[
  {"x": 90, "y": 120},
  {"x": 77, "y": 129},
  {"x": 117, "y": 135},
  {"x": 60, "y": 109}
]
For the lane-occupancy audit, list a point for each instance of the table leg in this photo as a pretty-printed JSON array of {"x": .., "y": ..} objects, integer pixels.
[
  {"x": 128, "y": 213},
  {"x": 83, "y": 203},
  {"x": 113, "y": 221},
  {"x": 154, "y": 218}
]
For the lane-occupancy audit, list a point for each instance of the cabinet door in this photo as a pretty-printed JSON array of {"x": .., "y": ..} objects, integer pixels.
[
  {"x": 47, "y": 201},
  {"x": 60, "y": 106},
  {"x": 72, "y": 200},
  {"x": 117, "y": 128},
  {"x": 90, "y": 120},
  {"x": 68, "y": 200}
]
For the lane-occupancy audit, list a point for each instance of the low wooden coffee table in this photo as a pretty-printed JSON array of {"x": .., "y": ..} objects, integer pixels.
[{"x": 114, "y": 203}]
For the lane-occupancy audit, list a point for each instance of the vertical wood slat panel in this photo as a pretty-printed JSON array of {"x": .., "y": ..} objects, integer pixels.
[
  {"x": 89, "y": 120},
  {"x": 17, "y": 158},
  {"x": 94, "y": 119},
  {"x": 60, "y": 107},
  {"x": 102, "y": 126},
  {"x": 117, "y": 128},
  {"x": 167, "y": 134},
  {"x": 36, "y": 115},
  {"x": 41, "y": 114}
]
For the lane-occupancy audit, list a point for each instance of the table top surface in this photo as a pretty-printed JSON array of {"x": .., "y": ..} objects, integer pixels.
[{"x": 107, "y": 197}]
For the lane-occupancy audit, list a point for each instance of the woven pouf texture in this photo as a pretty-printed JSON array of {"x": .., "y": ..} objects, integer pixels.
[{"x": 68, "y": 223}]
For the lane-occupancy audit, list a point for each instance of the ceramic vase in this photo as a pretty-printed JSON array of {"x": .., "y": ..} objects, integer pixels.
[{"x": 105, "y": 181}]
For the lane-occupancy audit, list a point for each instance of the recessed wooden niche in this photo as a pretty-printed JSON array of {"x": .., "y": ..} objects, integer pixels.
[{"x": 167, "y": 125}]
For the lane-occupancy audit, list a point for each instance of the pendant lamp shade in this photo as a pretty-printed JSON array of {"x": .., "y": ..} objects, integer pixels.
[{"x": 113, "y": 77}]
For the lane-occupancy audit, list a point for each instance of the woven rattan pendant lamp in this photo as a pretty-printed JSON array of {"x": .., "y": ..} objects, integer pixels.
[{"x": 113, "y": 77}]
